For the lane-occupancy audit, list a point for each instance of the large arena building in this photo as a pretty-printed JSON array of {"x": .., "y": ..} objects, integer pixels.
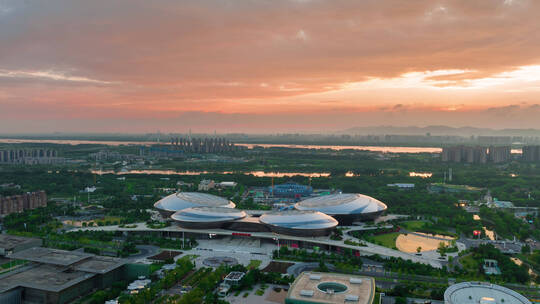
[
  {"x": 346, "y": 208},
  {"x": 312, "y": 217}
]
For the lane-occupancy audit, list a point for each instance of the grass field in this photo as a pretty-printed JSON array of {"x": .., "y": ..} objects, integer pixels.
[
  {"x": 413, "y": 225},
  {"x": 420, "y": 226},
  {"x": 469, "y": 263},
  {"x": 12, "y": 263},
  {"x": 254, "y": 264},
  {"x": 386, "y": 240}
]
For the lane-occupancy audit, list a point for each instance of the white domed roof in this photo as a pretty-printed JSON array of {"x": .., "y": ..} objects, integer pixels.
[
  {"x": 296, "y": 219},
  {"x": 344, "y": 203},
  {"x": 208, "y": 214},
  {"x": 183, "y": 200},
  {"x": 482, "y": 292}
]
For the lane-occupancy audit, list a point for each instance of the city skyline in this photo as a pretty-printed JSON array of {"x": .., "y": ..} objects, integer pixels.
[{"x": 267, "y": 66}]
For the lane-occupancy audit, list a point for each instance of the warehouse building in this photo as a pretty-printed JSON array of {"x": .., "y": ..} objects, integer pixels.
[
  {"x": 10, "y": 244},
  {"x": 57, "y": 276}
]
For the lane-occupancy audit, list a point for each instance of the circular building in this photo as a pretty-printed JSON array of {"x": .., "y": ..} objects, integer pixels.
[
  {"x": 482, "y": 293},
  {"x": 331, "y": 288},
  {"x": 207, "y": 217},
  {"x": 299, "y": 223},
  {"x": 346, "y": 207},
  {"x": 183, "y": 200}
]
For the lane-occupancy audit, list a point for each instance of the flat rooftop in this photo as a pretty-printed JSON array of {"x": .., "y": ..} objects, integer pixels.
[
  {"x": 308, "y": 287},
  {"x": 9, "y": 242},
  {"x": 50, "y": 256},
  {"x": 44, "y": 277},
  {"x": 235, "y": 276},
  {"x": 98, "y": 264},
  {"x": 55, "y": 270}
]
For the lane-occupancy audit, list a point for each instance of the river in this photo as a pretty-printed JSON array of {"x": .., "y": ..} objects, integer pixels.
[
  {"x": 383, "y": 149},
  {"x": 172, "y": 172}
]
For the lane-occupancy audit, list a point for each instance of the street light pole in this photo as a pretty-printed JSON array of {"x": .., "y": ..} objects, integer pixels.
[{"x": 277, "y": 239}]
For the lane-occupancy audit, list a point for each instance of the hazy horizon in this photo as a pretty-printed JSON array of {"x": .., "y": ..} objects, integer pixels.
[{"x": 286, "y": 66}]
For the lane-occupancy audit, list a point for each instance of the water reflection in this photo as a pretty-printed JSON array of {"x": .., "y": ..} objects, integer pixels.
[
  {"x": 173, "y": 172},
  {"x": 383, "y": 149},
  {"x": 421, "y": 174}
]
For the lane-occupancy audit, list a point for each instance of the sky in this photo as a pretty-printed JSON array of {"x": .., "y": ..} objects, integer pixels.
[{"x": 267, "y": 66}]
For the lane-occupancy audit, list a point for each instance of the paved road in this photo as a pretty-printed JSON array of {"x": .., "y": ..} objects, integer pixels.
[
  {"x": 391, "y": 300},
  {"x": 298, "y": 268},
  {"x": 369, "y": 249},
  {"x": 144, "y": 252}
]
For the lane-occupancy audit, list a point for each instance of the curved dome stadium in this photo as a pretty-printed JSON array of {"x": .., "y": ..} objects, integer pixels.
[
  {"x": 207, "y": 217},
  {"x": 345, "y": 207},
  {"x": 483, "y": 293},
  {"x": 183, "y": 200},
  {"x": 301, "y": 223}
]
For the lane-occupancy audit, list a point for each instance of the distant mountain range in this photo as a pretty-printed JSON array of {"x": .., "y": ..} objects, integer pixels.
[{"x": 439, "y": 130}]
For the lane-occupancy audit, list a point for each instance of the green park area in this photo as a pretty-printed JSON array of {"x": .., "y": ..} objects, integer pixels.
[
  {"x": 413, "y": 225},
  {"x": 254, "y": 264},
  {"x": 386, "y": 240},
  {"x": 426, "y": 227}
]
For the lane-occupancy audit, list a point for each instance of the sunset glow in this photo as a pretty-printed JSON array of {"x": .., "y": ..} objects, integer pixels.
[{"x": 267, "y": 66}]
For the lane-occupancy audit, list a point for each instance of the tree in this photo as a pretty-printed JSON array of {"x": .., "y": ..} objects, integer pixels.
[
  {"x": 442, "y": 248},
  {"x": 400, "y": 300},
  {"x": 419, "y": 249},
  {"x": 322, "y": 266},
  {"x": 526, "y": 249}
]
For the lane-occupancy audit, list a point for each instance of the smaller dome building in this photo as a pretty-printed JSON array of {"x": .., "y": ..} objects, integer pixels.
[
  {"x": 482, "y": 293},
  {"x": 299, "y": 223},
  {"x": 207, "y": 217}
]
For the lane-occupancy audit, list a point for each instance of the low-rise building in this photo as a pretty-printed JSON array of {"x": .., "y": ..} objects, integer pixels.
[
  {"x": 401, "y": 185},
  {"x": 500, "y": 204},
  {"x": 331, "y": 288},
  {"x": 57, "y": 276},
  {"x": 234, "y": 278},
  {"x": 11, "y": 243},
  {"x": 491, "y": 267},
  {"x": 290, "y": 189},
  {"x": 227, "y": 184},
  {"x": 206, "y": 184}
]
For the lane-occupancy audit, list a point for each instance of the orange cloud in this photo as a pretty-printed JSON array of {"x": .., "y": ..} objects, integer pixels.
[{"x": 131, "y": 60}]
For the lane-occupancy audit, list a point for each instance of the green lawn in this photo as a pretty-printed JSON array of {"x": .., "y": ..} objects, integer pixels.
[
  {"x": 155, "y": 267},
  {"x": 192, "y": 256},
  {"x": 469, "y": 263},
  {"x": 13, "y": 263},
  {"x": 420, "y": 226},
  {"x": 413, "y": 225},
  {"x": 254, "y": 264},
  {"x": 386, "y": 240}
]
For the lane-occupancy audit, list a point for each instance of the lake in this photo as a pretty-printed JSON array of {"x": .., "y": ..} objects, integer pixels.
[{"x": 173, "y": 172}]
